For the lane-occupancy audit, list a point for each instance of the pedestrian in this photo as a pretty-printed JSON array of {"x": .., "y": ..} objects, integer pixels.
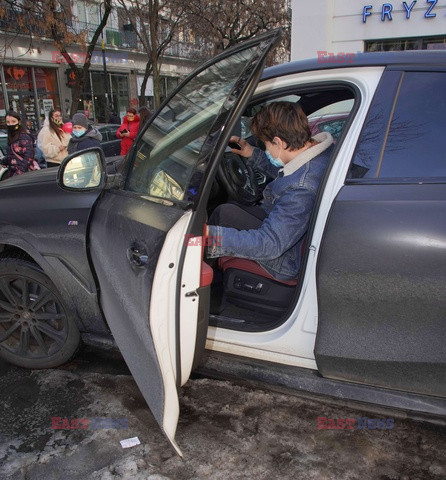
[
  {"x": 52, "y": 140},
  {"x": 128, "y": 130},
  {"x": 144, "y": 114},
  {"x": 19, "y": 156},
  {"x": 114, "y": 118},
  {"x": 84, "y": 135}
]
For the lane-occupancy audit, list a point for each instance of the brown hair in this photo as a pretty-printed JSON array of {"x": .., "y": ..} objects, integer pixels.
[
  {"x": 285, "y": 120},
  {"x": 131, "y": 110}
]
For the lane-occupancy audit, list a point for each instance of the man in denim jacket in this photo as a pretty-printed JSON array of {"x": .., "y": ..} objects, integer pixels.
[{"x": 272, "y": 233}]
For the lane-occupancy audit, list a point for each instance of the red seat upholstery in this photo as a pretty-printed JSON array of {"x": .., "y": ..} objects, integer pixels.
[{"x": 249, "y": 266}]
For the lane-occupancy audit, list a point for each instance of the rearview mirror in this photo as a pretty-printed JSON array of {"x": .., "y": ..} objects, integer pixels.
[{"x": 83, "y": 170}]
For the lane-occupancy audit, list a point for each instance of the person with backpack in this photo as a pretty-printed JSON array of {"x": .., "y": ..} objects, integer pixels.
[
  {"x": 52, "y": 140},
  {"x": 19, "y": 156}
]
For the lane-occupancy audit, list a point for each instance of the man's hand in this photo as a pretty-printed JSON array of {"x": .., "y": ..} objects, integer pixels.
[{"x": 246, "y": 149}]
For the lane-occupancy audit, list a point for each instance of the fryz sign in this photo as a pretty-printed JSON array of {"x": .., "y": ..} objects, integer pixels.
[{"x": 386, "y": 10}]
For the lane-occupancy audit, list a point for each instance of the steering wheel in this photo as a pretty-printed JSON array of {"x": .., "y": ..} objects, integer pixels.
[{"x": 238, "y": 179}]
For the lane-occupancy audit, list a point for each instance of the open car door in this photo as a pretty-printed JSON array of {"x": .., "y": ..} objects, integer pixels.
[{"x": 152, "y": 288}]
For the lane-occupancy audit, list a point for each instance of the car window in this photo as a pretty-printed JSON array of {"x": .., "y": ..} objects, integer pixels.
[
  {"x": 3, "y": 145},
  {"x": 414, "y": 146},
  {"x": 331, "y": 118},
  {"x": 336, "y": 108},
  {"x": 402, "y": 137},
  {"x": 104, "y": 133},
  {"x": 171, "y": 156},
  {"x": 111, "y": 131}
]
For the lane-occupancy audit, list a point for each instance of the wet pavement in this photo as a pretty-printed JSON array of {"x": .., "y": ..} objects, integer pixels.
[{"x": 226, "y": 431}]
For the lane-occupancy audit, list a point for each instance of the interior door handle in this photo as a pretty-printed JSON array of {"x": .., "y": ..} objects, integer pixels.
[{"x": 137, "y": 256}]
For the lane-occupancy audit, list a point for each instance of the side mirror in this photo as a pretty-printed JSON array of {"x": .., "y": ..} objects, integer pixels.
[{"x": 84, "y": 170}]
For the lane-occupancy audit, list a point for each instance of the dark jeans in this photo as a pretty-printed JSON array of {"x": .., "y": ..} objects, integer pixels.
[{"x": 241, "y": 217}]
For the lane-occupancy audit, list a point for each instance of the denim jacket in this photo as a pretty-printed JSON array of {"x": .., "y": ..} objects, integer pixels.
[{"x": 288, "y": 200}]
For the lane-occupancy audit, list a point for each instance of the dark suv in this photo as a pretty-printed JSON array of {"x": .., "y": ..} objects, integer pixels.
[{"x": 104, "y": 251}]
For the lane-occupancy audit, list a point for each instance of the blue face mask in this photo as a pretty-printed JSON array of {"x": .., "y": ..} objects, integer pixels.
[
  {"x": 274, "y": 161},
  {"x": 78, "y": 133}
]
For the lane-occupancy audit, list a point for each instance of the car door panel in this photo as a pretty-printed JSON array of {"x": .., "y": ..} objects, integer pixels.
[
  {"x": 382, "y": 267},
  {"x": 132, "y": 223},
  {"x": 381, "y": 278},
  {"x": 149, "y": 278}
]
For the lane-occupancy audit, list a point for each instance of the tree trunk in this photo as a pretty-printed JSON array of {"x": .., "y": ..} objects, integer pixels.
[
  {"x": 142, "y": 93},
  {"x": 156, "y": 86},
  {"x": 154, "y": 54}
]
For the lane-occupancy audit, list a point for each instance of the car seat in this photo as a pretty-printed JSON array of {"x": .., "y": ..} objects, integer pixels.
[{"x": 248, "y": 285}]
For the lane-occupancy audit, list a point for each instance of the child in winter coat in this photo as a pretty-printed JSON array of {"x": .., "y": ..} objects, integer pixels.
[{"x": 84, "y": 135}]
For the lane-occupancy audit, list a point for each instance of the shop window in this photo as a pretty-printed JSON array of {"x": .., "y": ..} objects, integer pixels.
[{"x": 399, "y": 44}]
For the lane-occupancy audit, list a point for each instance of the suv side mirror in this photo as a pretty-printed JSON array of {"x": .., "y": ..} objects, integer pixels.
[{"x": 84, "y": 170}]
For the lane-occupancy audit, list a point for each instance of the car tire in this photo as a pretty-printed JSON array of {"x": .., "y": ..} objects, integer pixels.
[{"x": 37, "y": 329}]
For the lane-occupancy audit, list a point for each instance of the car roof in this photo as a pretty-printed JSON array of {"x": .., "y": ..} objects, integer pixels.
[{"x": 406, "y": 58}]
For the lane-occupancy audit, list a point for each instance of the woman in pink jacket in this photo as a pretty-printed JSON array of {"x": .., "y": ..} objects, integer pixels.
[{"x": 128, "y": 130}]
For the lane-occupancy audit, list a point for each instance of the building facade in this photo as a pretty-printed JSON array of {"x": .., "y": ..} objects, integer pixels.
[
  {"x": 342, "y": 27},
  {"x": 35, "y": 80}
]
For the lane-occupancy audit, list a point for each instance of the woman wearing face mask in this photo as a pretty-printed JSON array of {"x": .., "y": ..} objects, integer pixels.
[
  {"x": 83, "y": 135},
  {"x": 52, "y": 140},
  {"x": 20, "y": 154},
  {"x": 272, "y": 233}
]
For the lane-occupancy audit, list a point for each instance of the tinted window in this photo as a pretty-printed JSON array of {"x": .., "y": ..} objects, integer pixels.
[
  {"x": 105, "y": 135},
  {"x": 368, "y": 152},
  {"x": 414, "y": 146},
  {"x": 112, "y": 132}
]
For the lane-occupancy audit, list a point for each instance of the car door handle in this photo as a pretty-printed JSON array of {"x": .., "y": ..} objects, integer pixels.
[{"x": 137, "y": 257}]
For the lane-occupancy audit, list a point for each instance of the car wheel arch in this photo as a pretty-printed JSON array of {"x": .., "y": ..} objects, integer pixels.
[
  {"x": 39, "y": 329},
  {"x": 26, "y": 252}
]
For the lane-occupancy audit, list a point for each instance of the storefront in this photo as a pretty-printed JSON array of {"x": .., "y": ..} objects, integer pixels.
[
  {"x": 33, "y": 92},
  {"x": 100, "y": 99},
  {"x": 118, "y": 98},
  {"x": 30, "y": 91},
  {"x": 343, "y": 26}
]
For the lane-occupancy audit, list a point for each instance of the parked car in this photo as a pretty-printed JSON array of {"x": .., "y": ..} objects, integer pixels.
[
  {"x": 98, "y": 254},
  {"x": 110, "y": 144},
  {"x": 3, "y": 143}
]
